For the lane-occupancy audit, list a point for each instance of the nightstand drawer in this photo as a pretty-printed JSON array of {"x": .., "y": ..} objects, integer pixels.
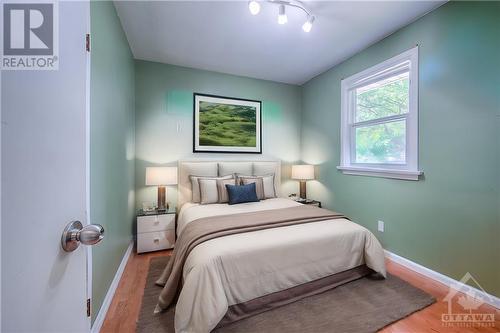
[
  {"x": 154, "y": 241},
  {"x": 155, "y": 223}
]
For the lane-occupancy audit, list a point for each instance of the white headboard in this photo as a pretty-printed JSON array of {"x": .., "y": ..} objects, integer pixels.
[{"x": 214, "y": 168}]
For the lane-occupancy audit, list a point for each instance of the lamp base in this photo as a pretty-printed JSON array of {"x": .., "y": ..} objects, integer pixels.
[
  {"x": 162, "y": 196},
  {"x": 303, "y": 193}
]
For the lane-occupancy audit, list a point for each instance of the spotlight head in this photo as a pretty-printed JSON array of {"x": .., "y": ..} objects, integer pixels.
[
  {"x": 308, "y": 24},
  {"x": 254, "y": 7},
  {"x": 282, "y": 18}
]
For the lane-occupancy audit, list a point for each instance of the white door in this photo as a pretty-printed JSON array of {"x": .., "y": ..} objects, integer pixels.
[{"x": 44, "y": 186}]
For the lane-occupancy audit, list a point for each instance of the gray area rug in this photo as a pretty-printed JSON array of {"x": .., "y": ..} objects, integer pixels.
[{"x": 364, "y": 305}]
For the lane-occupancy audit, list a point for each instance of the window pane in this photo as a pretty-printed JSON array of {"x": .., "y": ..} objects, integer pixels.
[
  {"x": 382, "y": 143},
  {"x": 384, "y": 98}
]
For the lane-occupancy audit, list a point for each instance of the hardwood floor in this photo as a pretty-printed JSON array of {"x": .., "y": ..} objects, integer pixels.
[
  {"x": 429, "y": 319},
  {"x": 124, "y": 310}
]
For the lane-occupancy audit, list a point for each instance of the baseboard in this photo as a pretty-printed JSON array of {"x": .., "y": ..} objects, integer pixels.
[
  {"x": 446, "y": 280},
  {"x": 101, "y": 315}
]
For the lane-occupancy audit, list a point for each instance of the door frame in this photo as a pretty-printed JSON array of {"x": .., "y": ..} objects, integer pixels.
[{"x": 87, "y": 165}]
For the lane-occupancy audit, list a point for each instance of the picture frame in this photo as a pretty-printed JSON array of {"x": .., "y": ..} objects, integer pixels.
[{"x": 226, "y": 125}]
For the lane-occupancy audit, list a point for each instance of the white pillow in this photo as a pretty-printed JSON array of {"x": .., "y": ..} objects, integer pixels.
[
  {"x": 208, "y": 191},
  {"x": 195, "y": 185},
  {"x": 269, "y": 191}
]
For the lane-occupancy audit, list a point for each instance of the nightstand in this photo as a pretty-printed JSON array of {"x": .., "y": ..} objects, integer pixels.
[{"x": 155, "y": 231}]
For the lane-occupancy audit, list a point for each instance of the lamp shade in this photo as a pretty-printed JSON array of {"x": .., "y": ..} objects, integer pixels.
[
  {"x": 161, "y": 176},
  {"x": 303, "y": 172}
]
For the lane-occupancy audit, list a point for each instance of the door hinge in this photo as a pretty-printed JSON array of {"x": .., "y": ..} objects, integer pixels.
[
  {"x": 88, "y": 307},
  {"x": 87, "y": 42}
]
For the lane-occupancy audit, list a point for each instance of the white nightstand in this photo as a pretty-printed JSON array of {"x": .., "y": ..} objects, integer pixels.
[{"x": 155, "y": 231}]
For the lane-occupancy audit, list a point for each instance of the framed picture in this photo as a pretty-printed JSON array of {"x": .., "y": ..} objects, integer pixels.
[{"x": 226, "y": 125}]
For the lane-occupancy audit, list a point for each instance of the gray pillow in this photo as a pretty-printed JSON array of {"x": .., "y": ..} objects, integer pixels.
[
  {"x": 267, "y": 184},
  {"x": 222, "y": 190},
  {"x": 195, "y": 185}
]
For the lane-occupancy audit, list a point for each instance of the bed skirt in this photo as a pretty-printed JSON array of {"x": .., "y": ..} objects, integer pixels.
[{"x": 268, "y": 302}]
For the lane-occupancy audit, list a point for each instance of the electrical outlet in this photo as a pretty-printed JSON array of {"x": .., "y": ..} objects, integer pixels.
[{"x": 381, "y": 226}]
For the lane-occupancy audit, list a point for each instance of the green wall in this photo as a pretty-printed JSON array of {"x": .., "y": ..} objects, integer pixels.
[
  {"x": 164, "y": 118},
  {"x": 111, "y": 145},
  {"x": 450, "y": 220}
]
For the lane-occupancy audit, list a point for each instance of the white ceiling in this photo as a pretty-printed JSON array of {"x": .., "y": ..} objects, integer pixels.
[{"x": 225, "y": 37}]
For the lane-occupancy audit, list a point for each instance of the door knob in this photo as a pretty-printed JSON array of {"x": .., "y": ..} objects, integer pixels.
[{"x": 75, "y": 233}]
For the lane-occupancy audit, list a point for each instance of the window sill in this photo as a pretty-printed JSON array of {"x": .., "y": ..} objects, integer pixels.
[{"x": 384, "y": 173}]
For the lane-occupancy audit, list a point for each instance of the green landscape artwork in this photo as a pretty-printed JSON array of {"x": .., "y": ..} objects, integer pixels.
[{"x": 228, "y": 125}]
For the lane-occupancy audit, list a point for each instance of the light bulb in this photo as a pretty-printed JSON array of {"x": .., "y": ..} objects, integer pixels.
[
  {"x": 282, "y": 19},
  {"x": 254, "y": 7},
  {"x": 308, "y": 24}
]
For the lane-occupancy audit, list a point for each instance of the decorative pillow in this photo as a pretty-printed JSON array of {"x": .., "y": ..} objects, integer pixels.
[
  {"x": 195, "y": 185},
  {"x": 221, "y": 188},
  {"x": 269, "y": 189},
  {"x": 240, "y": 177},
  {"x": 208, "y": 191},
  {"x": 241, "y": 193},
  {"x": 267, "y": 184},
  {"x": 259, "y": 185}
]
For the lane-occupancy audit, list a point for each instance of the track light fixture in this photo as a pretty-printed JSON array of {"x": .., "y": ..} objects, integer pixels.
[{"x": 254, "y": 8}]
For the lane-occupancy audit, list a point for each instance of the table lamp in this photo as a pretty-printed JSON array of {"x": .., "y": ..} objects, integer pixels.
[
  {"x": 161, "y": 176},
  {"x": 303, "y": 173}
]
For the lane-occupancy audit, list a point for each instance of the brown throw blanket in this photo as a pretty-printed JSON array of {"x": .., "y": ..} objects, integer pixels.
[{"x": 208, "y": 228}]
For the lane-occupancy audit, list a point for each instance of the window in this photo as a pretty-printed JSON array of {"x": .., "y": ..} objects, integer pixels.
[{"x": 380, "y": 119}]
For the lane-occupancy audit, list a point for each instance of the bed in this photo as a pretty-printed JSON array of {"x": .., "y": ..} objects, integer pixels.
[{"x": 234, "y": 276}]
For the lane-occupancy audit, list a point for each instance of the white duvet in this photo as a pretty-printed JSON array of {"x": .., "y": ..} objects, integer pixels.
[{"x": 237, "y": 268}]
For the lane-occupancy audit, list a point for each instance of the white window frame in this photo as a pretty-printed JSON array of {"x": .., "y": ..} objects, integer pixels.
[{"x": 406, "y": 61}]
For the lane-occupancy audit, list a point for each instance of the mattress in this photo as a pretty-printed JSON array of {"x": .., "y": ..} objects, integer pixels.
[{"x": 238, "y": 268}]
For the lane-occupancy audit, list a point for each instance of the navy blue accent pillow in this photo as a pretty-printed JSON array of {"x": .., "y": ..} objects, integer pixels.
[{"x": 241, "y": 193}]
